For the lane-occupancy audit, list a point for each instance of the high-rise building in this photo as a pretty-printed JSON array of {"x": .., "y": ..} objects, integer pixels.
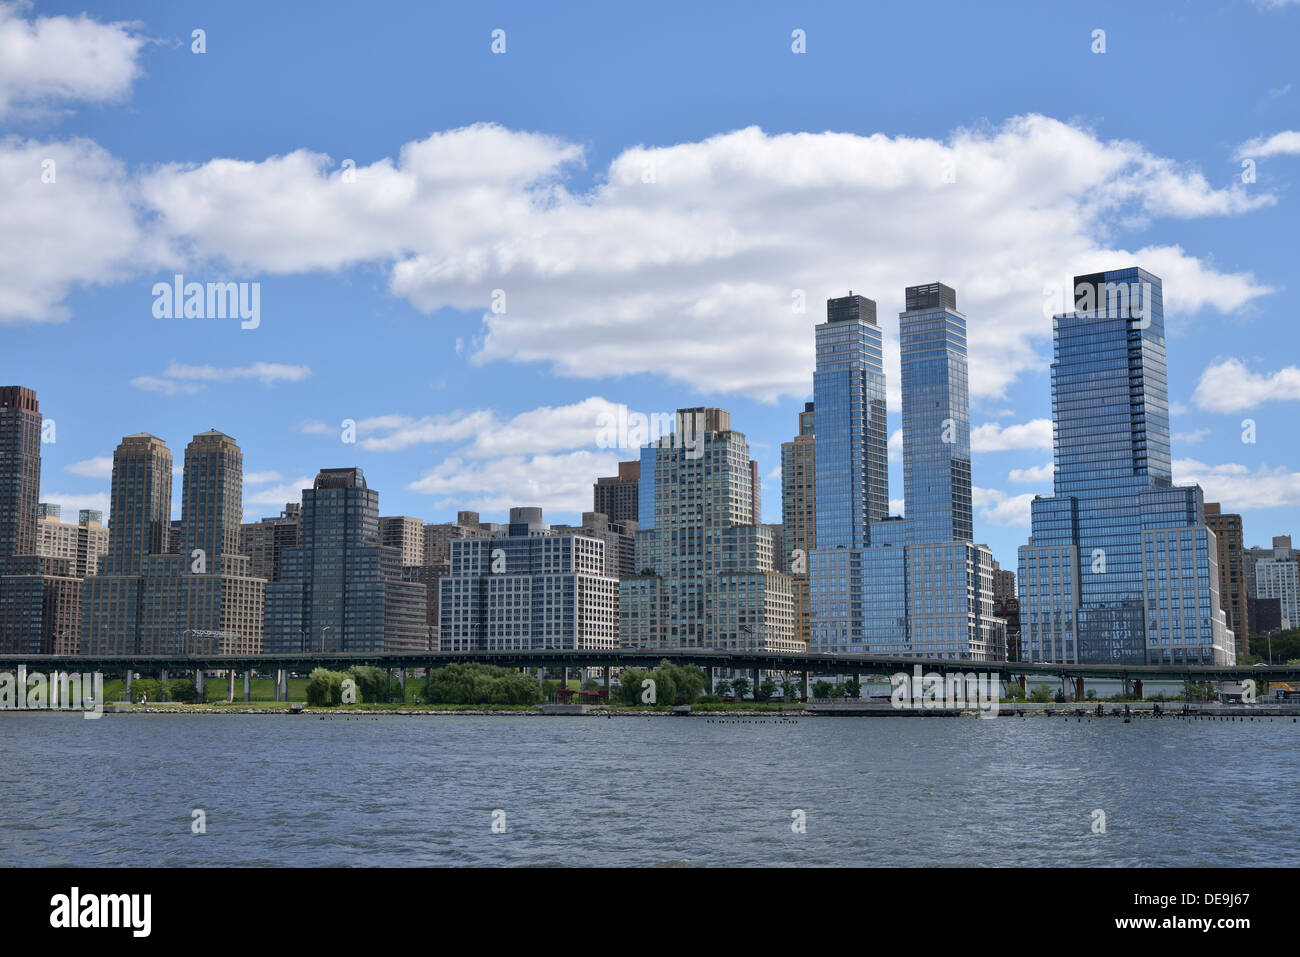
[
  {"x": 82, "y": 544},
  {"x": 20, "y": 470},
  {"x": 799, "y": 515},
  {"x": 1279, "y": 577},
  {"x": 852, "y": 458},
  {"x": 616, "y": 495},
  {"x": 341, "y": 589},
  {"x": 1007, "y": 607},
  {"x": 619, "y": 539},
  {"x": 1228, "y": 537},
  {"x": 1120, "y": 567},
  {"x": 40, "y": 595},
  {"x": 171, "y": 587},
  {"x": 406, "y": 534},
  {"x": 438, "y": 538},
  {"x": 265, "y": 542},
  {"x": 528, "y": 588},
  {"x": 706, "y": 574},
  {"x": 915, "y": 586},
  {"x": 936, "y": 415}
]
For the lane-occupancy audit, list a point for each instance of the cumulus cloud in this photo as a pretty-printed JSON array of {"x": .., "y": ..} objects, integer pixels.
[
  {"x": 998, "y": 508},
  {"x": 1285, "y": 143},
  {"x": 101, "y": 466},
  {"x": 992, "y": 437},
  {"x": 1227, "y": 385},
  {"x": 1237, "y": 487},
  {"x": 181, "y": 379},
  {"x": 73, "y": 502},
  {"x": 1035, "y": 474},
  {"x": 54, "y": 61},
  {"x": 690, "y": 261},
  {"x": 556, "y": 482}
]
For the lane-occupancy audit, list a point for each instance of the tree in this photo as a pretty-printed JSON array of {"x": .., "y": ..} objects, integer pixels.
[
  {"x": 373, "y": 684},
  {"x": 740, "y": 686},
  {"x": 325, "y": 688},
  {"x": 1041, "y": 694},
  {"x": 821, "y": 688},
  {"x": 853, "y": 688},
  {"x": 469, "y": 684},
  {"x": 722, "y": 687},
  {"x": 183, "y": 690},
  {"x": 766, "y": 690}
]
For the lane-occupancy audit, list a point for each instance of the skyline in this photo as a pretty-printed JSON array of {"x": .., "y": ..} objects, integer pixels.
[{"x": 689, "y": 302}]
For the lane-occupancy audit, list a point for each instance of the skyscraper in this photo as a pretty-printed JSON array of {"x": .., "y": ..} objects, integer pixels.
[
  {"x": 616, "y": 495},
  {"x": 799, "y": 515},
  {"x": 147, "y": 599},
  {"x": 40, "y": 595},
  {"x": 706, "y": 575},
  {"x": 916, "y": 585},
  {"x": 1121, "y": 566},
  {"x": 529, "y": 588},
  {"x": 936, "y": 415},
  {"x": 341, "y": 589},
  {"x": 852, "y": 459},
  {"x": 1228, "y": 535}
]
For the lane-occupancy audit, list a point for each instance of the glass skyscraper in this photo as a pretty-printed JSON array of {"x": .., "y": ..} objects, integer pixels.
[
  {"x": 917, "y": 585},
  {"x": 936, "y": 415},
  {"x": 1120, "y": 567},
  {"x": 851, "y": 459}
]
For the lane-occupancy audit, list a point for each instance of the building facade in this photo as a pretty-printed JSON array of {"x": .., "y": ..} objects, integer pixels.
[
  {"x": 1121, "y": 567},
  {"x": 530, "y": 588},
  {"x": 706, "y": 571},
  {"x": 82, "y": 544},
  {"x": 149, "y": 599},
  {"x": 616, "y": 495},
  {"x": 1279, "y": 578},
  {"x": 341, "y": 588},
  {"x": 1230, "y": 541},
  {"x": 799, "y": 515}
]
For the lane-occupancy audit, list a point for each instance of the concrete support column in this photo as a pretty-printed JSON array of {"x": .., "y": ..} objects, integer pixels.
[
  {"x": 1022, "y": 681},
  {"x": 284, "y": 684},
  {"x": 755, "y": 684},
  {"x": 1078, "y": 689},
  {"x": 608, "y": 678},
  {"x": 198, "y": 683},
  {"x": 163, "y": 679},
  {"x": 401, "y": 680},
  {"x": 22, "y": 680},
  {"x": 805, "y": 687},
  {"x": 564, "y": 681},
  {"x": 858, "y": 678},
  {"x": 276, "y": 685},
  {"x": 709, "y": 674},
  {"x": 541, "y": 680},
  {"x": 230, "y": 686},
  {"x": 248, "y": 686},
  {"x": 1137, "y": 689}
]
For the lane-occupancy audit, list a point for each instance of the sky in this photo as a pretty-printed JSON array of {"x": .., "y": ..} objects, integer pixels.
[{"x": 475, "y": 230}]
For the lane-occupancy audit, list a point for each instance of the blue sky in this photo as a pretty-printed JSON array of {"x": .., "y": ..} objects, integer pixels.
[{"x": 650, "y": 190}]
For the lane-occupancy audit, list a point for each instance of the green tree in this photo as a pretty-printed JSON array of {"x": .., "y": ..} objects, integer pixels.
[
  {"x": 474, "y": 684},
  {"x": 325, "y": 688},
  {"x": 821, "y": 688},
  {"x": 1041, "y": 694},
  {"x": 722, "y": 687},
  {"x": 182, "y": 690},
  {"x": 766, "y": 690},
  {"x": 853, "y": 688},
  {"x": 740, "y": 686},
  {"x": 373, "y": 684}
]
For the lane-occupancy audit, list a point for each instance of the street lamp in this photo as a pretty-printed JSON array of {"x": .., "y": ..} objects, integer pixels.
[{"x": 324, "y": 628}]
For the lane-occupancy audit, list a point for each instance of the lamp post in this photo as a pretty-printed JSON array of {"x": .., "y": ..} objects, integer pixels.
[{"x": 324, "y": 628}]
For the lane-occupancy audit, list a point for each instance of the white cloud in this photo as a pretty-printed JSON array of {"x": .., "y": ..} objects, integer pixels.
[
  {"x": 276, "y": 496},
  {"x": 101, "y": 466},
  {"x": 261, "y": 478},
  {"x": 691, "y": 276},
  {"x": 998, "y": 508},
  {"x": 897, "y": 506},
  {"x": 1237, "y": 487},
  {"x": 556, "y": 482},
  {"x": 150, "y": 383},
  {"x": 895, "y": 446},
  {"x": 1285, "y": 143},
  {"x": 1227, "y": 385},
  {"x": 72, "y": 502},
  {"x": 1190, "y": 438},
  {"x": 52, "y": 61},
  {"x": 1037, "y": 473},
  {"x": 992, "y": 437}
]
